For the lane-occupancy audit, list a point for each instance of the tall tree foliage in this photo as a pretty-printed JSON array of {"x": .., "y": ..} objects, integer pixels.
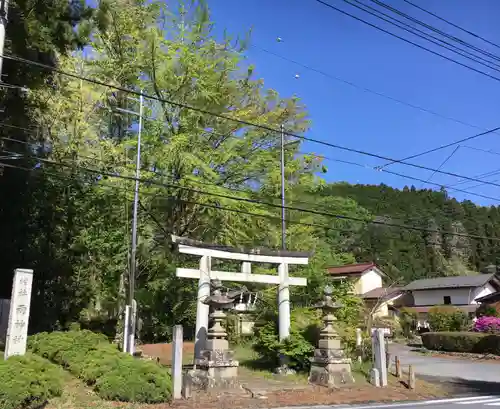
[
  {"x": 31, "y": 220},
  {"x": 194, "y": 161}
]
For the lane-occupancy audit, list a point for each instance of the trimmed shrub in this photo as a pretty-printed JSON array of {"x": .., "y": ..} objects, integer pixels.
[
  {"x": 486, "y": 310},
  {"x": 298, "y": 348},
  {"x": 469, "y": 342},
  {"x": 28, "y": 382},
  {"x": 408, "y": 321},
  {"x": 447, "y": 318},
  {"x": 388, "y": 322},
  {"x": 113, "y": 374},
  {"x": 490, "y": 325}
]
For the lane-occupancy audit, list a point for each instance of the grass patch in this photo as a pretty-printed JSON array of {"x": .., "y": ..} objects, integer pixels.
[{"x": 76, "y": 395}]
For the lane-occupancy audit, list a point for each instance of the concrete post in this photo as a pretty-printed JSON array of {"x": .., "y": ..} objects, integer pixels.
[
  {"x": 177, "y": 344},
  {"x": 411, "y": 377},
  {"x": 375, "y": 377},
  {"x": 380, "y": 355},
  {"x": 359, "y": 342},
  {"x": 132, "y": 322},
  {"x": 283, "y": 302},
  {"x": 202, "y": 310},
  {"x": 126, "y": 328}
]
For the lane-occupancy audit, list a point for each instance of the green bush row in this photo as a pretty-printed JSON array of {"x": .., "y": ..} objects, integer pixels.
[
  {"x": 447, "y": 318},
  {"x": 28, "y": 382},
  {"x": 113, "y": 374},
  {"x": 471, "y": 342}
]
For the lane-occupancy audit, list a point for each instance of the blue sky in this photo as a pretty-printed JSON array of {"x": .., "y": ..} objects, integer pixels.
[{"x": 326, "y": 40}]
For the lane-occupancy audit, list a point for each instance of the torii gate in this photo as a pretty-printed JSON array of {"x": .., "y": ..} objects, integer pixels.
[{"x": 204, "y": 274}]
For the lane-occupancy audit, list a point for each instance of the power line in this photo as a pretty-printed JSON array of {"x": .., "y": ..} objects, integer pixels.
[
  {"x": 407, "y": 41},
  {"x": 469, "y": 138},
  {"x": 252, "y": 192},
  {"x": 491, "y": 152},
  {"x": 364, "y": 166},
  {"x": 254, "y": 201},
  {"x": 190, "y": 179},
  {"x": 429, "y": 27},
  {"x": 244, "y": 122},
  {"x": 380, "y": 168},
  {"x": 482, "y": 175},
  {"x": 293, "y": 201},
  {"x": 267, "y": 216},
  {"x": 452, "y": 24},
  {"x": 433, "y": 39},
  {"x": 404, "y": 176},
  {"x": 444, "y": 162},
  {"x": 364, "y": 89}
]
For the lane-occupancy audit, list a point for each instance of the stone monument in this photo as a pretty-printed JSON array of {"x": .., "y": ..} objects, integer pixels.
[
  {"x": 379, "y": 354},
  {"x": 17, "y": 329},
  {"x": 216, "y": 367},
  {"x": 329, "y": 366}
]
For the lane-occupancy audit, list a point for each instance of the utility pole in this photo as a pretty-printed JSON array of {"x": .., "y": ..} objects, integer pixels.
[
  {"x": 283, "y": 222},
  {"x": 4, "y": 5},
  {"x": 130, "y": 318}
]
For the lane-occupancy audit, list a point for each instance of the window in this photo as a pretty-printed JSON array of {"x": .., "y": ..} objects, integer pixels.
[{"x": 447, "y": 300}]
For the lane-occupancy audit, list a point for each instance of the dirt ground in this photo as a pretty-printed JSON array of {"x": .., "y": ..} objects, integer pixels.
[
  {"x": 77, "y": 396},
  {"x": 258, "y": 389},
  {"x": 164, "y": 351}
]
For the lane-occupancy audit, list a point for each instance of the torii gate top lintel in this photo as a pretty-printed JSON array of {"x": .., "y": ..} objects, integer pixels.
[{"x": 262, "y": 255}]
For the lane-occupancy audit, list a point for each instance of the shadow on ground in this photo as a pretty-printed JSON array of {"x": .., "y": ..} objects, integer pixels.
[{"x": 464, "y": 386}]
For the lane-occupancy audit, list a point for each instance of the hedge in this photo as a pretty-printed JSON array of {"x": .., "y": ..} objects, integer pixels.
[
  {"x": 471, "y": 342},
  {"x": 443, "y": 318},
  {"x": 28, "y": 382},
  {"x": 113, "y": 374}
]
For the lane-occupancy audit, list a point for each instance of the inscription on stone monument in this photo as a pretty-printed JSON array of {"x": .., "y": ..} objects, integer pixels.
[{"x": 17, "y": 330}]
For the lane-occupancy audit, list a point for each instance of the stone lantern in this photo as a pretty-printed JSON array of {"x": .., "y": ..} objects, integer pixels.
[
  {"x": 329, "y": 366},
  {"x": 217, "y": 359}
]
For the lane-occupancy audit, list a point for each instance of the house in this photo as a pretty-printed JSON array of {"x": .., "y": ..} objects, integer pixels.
[
  {"x": 364, "y": 276},
  {"x": 491, "y": 299},
  {"x": 384, "y": 302},
  {"x": 463, "y": 292},
  {"x": 367, "y": 280}
]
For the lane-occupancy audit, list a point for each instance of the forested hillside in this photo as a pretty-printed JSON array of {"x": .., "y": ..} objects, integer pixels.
[{"x": 411, "y": 254}]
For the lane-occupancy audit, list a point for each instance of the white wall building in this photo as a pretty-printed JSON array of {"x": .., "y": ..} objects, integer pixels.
[
  {"x": 367, "y": 280},
  {"x": 460, "y": 291},
  {"x": 364, "y": 276}
]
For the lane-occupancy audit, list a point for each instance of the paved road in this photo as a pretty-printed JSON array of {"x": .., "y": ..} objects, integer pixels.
[
  {"x": 446, "y": 367},
  {"x": 472, "y": 402}
]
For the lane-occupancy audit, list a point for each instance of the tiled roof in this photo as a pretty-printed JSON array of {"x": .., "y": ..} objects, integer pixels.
[
  {"x": 381, "y": 292},
  {"x": 493, "y": 297},
  {"x": 349, "y": 269},
  {"x": 450, "y": 282}
]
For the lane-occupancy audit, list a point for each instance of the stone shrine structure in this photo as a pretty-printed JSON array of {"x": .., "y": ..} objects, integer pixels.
[{"x": 329, "y": 366}]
